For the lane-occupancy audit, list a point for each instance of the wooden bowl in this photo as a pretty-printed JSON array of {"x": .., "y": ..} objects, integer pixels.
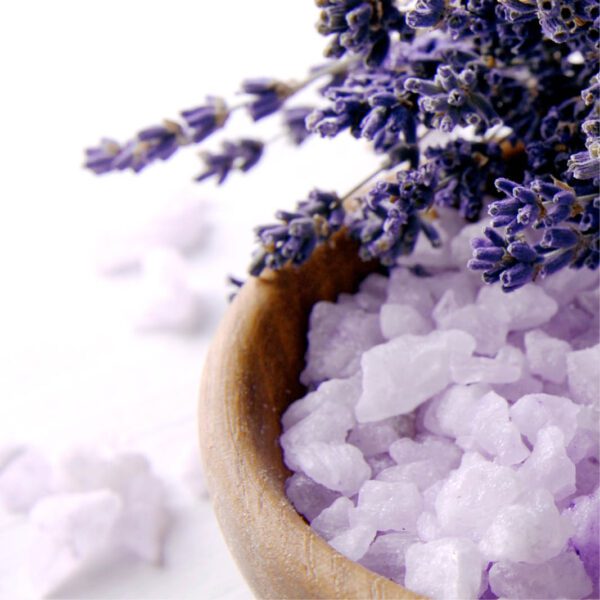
[{"x": 250, "y": 376}]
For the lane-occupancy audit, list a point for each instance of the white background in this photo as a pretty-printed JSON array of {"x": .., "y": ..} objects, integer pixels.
[{"x": 73, "y": 369}]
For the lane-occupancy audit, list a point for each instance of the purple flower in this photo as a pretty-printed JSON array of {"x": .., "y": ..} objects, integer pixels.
[
  {"x": 205, "y": 120},
  {"x": 241, "y": 155},
  {"x": 270, "y": 94}
]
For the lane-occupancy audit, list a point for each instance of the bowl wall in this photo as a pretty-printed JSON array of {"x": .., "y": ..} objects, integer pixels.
[{"x": 250, "y": 377}]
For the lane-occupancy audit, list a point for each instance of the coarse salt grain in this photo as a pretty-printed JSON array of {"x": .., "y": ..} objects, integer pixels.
[{"x": 454, "y": 426}]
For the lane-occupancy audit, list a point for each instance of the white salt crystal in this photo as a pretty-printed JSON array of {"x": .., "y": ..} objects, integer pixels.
[
  {"x": 525, "y": 308},
  {"x": 506, "y": 367},
  {"x": 354, "y": 542},
  {"x": 406, "y": 288},
  {"x": 454, "y": 408},
  {"x": 339, "y": 467},
  {"x": 584, "y": 375},
  {"x": 547, "y": 356},
  {"x": 66, "y": 531},
  {"x": 375, "y": 438},
  {"x": 589, "y": 300},
  {"x": 584, "y": 516},
  {"x": 561, "y": 577},
  {"x": 387, "y": 388},
  {"x": 526, "y": 384},
  {"x": 386, "y": 555},
  {"x": 337, "y": 337},
  {"x": 376, "y": 285},
  {"x": 144, "y": 519},
  {"x": 441, "y": 453},
  {"x": 566, "y": 284},
  {"x": 428, "y": 527},
  {"x": 448, "y": 568},
  {"x": 460, "y": 283},
  {"x": 169, "y": 300},
  {"x": 337, "y": 391},
  {"x": 25, "y": 479},
  {"x": 533, "y": 412},
  {"x": 379, "y": 463},
  {"x": 328, "y": 423},
  {"x": 489, "y": 332},
  {"x": 548, "y": 466},
  {"x": 308, "y": 497},
  {"x": 531, "y": 530},
  {"x": 473, "y": 494},
  {"x": 400, "y": 319},
  {"x": 388, "y": 506},
  {"x": 334, "y": 519},
  {"x": 494, "y": 433}
]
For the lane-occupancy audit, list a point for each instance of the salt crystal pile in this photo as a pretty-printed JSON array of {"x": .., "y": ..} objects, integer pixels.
[{"x": 450, "y": 440}]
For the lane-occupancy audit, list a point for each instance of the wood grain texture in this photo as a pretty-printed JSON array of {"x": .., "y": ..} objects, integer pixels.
[{"x": 250, "y": 377}]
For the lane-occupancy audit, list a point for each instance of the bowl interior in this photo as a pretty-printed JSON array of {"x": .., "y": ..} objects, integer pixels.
[{"x": 250, "y": 377}]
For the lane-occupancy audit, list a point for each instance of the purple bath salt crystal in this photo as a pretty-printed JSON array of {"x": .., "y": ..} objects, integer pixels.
[
  {"x": 388, "y": 506},
  {"x": 336, "y": 391},
  {"x": 448, "y": 568},
  {"x": 548, "y": 466},
  {"x": 386, "y": 555},
  {"x": 339, "y": 467},
  {"x": 406, "y": 288},
  {"x": 354, "y": 542},
  {"x": 585, "y": 517},
  {"x": 328, "y": 423},
  {"x": 338, "y": 336},
  {"x": 571, "y": 322},
  {"x": 473, "y": 494},
  {"x": 440, "y": 452},
  {"x": 308, "y": 497},
  {"x": 506, "y": 367},
  {"x": 533, "y": 412},
  {"x": 459, "y": 283},
  {"x": 583, "y": 375},
  {"x": 400, "y": 319},
  {"x": 380, "y": 463},
  {"x": 455, "y": 407},
  {"x": 561, "y": 577},
  {"x": 375, "y": 438},
  {"x": 529, "y": 306},
  {"x": 334, "y": 519},
  {"x": 547, "y": 356},
  {"x": 386, "y": 389},
  {"x": 530, "y": 530}
]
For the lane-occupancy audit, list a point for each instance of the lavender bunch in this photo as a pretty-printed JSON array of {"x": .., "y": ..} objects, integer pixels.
[{"x": 481, "y": 106}]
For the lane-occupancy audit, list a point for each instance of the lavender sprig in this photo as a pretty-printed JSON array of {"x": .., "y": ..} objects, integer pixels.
[{"x": 241, "y": 155}]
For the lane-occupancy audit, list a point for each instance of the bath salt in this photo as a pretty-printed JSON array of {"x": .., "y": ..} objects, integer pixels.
[{"x": 451, "y": 437}]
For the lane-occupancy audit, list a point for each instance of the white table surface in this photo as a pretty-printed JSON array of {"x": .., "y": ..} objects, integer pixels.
[{"x": 73, "y": 369}]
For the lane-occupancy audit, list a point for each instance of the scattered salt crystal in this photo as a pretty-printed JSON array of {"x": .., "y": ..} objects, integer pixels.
[
  {"x": 489, "y": 332},
  {"x": 548, "y": 466},
  {"x": 67, "y": 530},
  {"x": 428, "y": 527},
  {"x": 531, "y": 530},
  {"x": 586, "y": 441},
  {"x": 400, "y": 319},
  {"x": 448, "y": 568},
  {"x": 583, "y": 375},
  {"x": 25, "y": 479},
  {"x": 308, "y": 497},
  {"x": 569, "y": 323},
  {"x": 566, "y": 284},
  {"x": 144, "y": 518},
  {"x": 547, "y": 356},
  {"x": 337, "y": 391},
  {"x": 441, "y": 454},
  {"x": 379, "y": 463},
  {"x": 533, "y": 412},
  {"x": 388, "y": 506},
  {"x": 506, "y": 367},
  {"x": 473, "y": 494},
  {"x": 386, "y": 555},
  {"x": 526, "y": 384},
  {"x": 460, "y": 283},
  {"x": 334, "y": 519},
  {"x": 388, "y": 391},
  {"x": 376, "y": 285},
  {"x": 169, "y": 300},
  {"x": 589, "y": 301},
  {"x": 375, "y": 438},
  {"x": 561, "y": 577},
  {"x": 354, "y": 542},
  {"x": 339, "y": 467},
  {"x": 330, "y": 422},
  {"x": 337, "y": 338},
  {"x": 406, "y": 288},
  {"x": 455, "y": 407},
  {"x": 524, "y": 308}
]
